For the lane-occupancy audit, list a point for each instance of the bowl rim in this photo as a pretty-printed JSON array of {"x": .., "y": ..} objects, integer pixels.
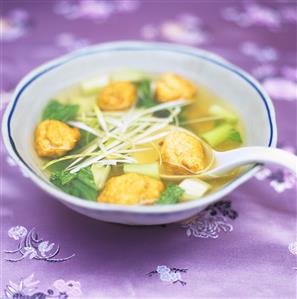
[{"x": 135, "y": 46}]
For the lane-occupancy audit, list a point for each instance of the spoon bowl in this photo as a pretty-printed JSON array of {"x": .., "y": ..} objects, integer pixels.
[{"x": 222, "y": 163}]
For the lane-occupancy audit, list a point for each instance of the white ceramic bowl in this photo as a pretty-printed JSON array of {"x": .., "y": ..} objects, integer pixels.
[{"x": 226, "y": 80}]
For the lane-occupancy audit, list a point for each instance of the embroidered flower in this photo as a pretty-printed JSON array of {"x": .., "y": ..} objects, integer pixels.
[
  {"x": 45, "y": 247},
  {"x": 281, "y": 88},
  {"x": 26, "y": 289},
  {"x": 94, "y": 9},
  {"x": 263, "y": 173},
  {"x": 165, "y": 277},
  {"x": 253, "y": 14},
  {"x": 30, "y": 252},
  {"x": 18, "y": 291},
  {"x": 163, "y": 269},
  {"x": 14, "y": 25},
  {"x": 208, "y": 227},
  {"x": 17, "y": 232},
  {"x": 71, "y": 287},
  {"x": 175, "y": 276},
  {"x": 264, "y": 71},
  {"x": 33, "y": 247},
  {"x": 186, "y": 28},
  {"x": 265, "y": 54},
  {"x": 210, "y": 222},
  {"x": 69, "y": 42},
  {"x": 280, "y": 179},
  {"x": 167, "y": 274}
]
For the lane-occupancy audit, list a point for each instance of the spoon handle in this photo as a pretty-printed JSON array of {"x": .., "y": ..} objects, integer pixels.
[{"x": 254, "y": 154}]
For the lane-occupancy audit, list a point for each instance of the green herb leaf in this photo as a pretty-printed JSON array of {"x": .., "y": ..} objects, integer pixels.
[
  {"x": 80, "y": 184},
  {"x": 171, "y": 195},
  {"x": 58, "y": 111},
  {"x": 145, "y": 97}
]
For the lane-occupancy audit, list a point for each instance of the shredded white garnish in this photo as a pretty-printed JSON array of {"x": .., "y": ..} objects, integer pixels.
[
  {"x": 120, "y": 133},
  {"x": 84, "y": 127}
]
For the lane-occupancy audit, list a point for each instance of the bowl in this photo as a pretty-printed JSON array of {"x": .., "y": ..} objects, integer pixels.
[{"x": 232, "y": 84}]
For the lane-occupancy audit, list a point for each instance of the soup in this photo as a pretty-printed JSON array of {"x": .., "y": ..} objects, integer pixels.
[{"x": 134, "y": 138}]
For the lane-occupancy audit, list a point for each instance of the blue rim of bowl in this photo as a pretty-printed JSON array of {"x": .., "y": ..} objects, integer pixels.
[{"x": 70, "y": 57}]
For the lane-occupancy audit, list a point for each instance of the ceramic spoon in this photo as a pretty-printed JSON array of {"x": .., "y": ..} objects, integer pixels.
[{"x": 220, "y": 163}]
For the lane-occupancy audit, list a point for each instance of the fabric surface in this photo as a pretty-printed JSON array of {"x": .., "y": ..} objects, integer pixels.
[{"x": 243, "y": 247}]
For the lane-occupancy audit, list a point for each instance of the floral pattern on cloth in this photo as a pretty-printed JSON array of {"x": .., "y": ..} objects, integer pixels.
[
  {"x": 260, "y": 54},
  {"x": 185, "y": 28},
  {"x": 27, "y": 289},
  {"x": 253, "y": 14},
  {"x": 280, "y": 179},
  {"x": 94, "y": 9},
  {"x": 14, "y": 24},
  {"x": 279, "y": 82},
  {"x": 210, "y": 222},
  {"x": 69, "y": 42},
  {"x": 172, "y": 275},
  {"x": 32, "y": 247}
]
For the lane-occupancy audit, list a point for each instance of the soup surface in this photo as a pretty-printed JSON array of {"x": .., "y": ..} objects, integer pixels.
[{"x": 135, "y": 138}]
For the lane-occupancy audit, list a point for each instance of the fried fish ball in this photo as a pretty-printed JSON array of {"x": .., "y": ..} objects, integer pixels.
[
  {"x": 117, "y": 96},
  {"x": 182, "y": 153},
  {"x": 53, "y": 138},
  {"x": 171, "y": 87},
  {"x": 131, "y": 189}
]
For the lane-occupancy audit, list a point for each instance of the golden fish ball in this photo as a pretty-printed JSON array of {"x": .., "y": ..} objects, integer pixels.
[
  {"x": 131, "y": 189},
  {"x": 182, "y": 153},
  {"x": 117, "y": 96},
  {"x": 171, "y": 87},
  {"x": 54, "y": 138}
]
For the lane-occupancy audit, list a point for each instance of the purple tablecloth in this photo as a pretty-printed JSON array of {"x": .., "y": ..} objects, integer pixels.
[{"x": 244, "y": 247}]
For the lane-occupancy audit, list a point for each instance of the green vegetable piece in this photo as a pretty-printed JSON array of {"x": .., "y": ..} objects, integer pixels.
[
  {"x": 80, "y": 184},
  {"x": 58, "y": 111},
  {"x": 100, "y": 174},
  {"x": 235, "y": 136},
  {"x": 145, "y": 97},
  {"x": 220, "y": 134},
  {"x": 151, "y": 169},
  {"x": 171, "y": 195},
  {"x": 219, "y": 111}
]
